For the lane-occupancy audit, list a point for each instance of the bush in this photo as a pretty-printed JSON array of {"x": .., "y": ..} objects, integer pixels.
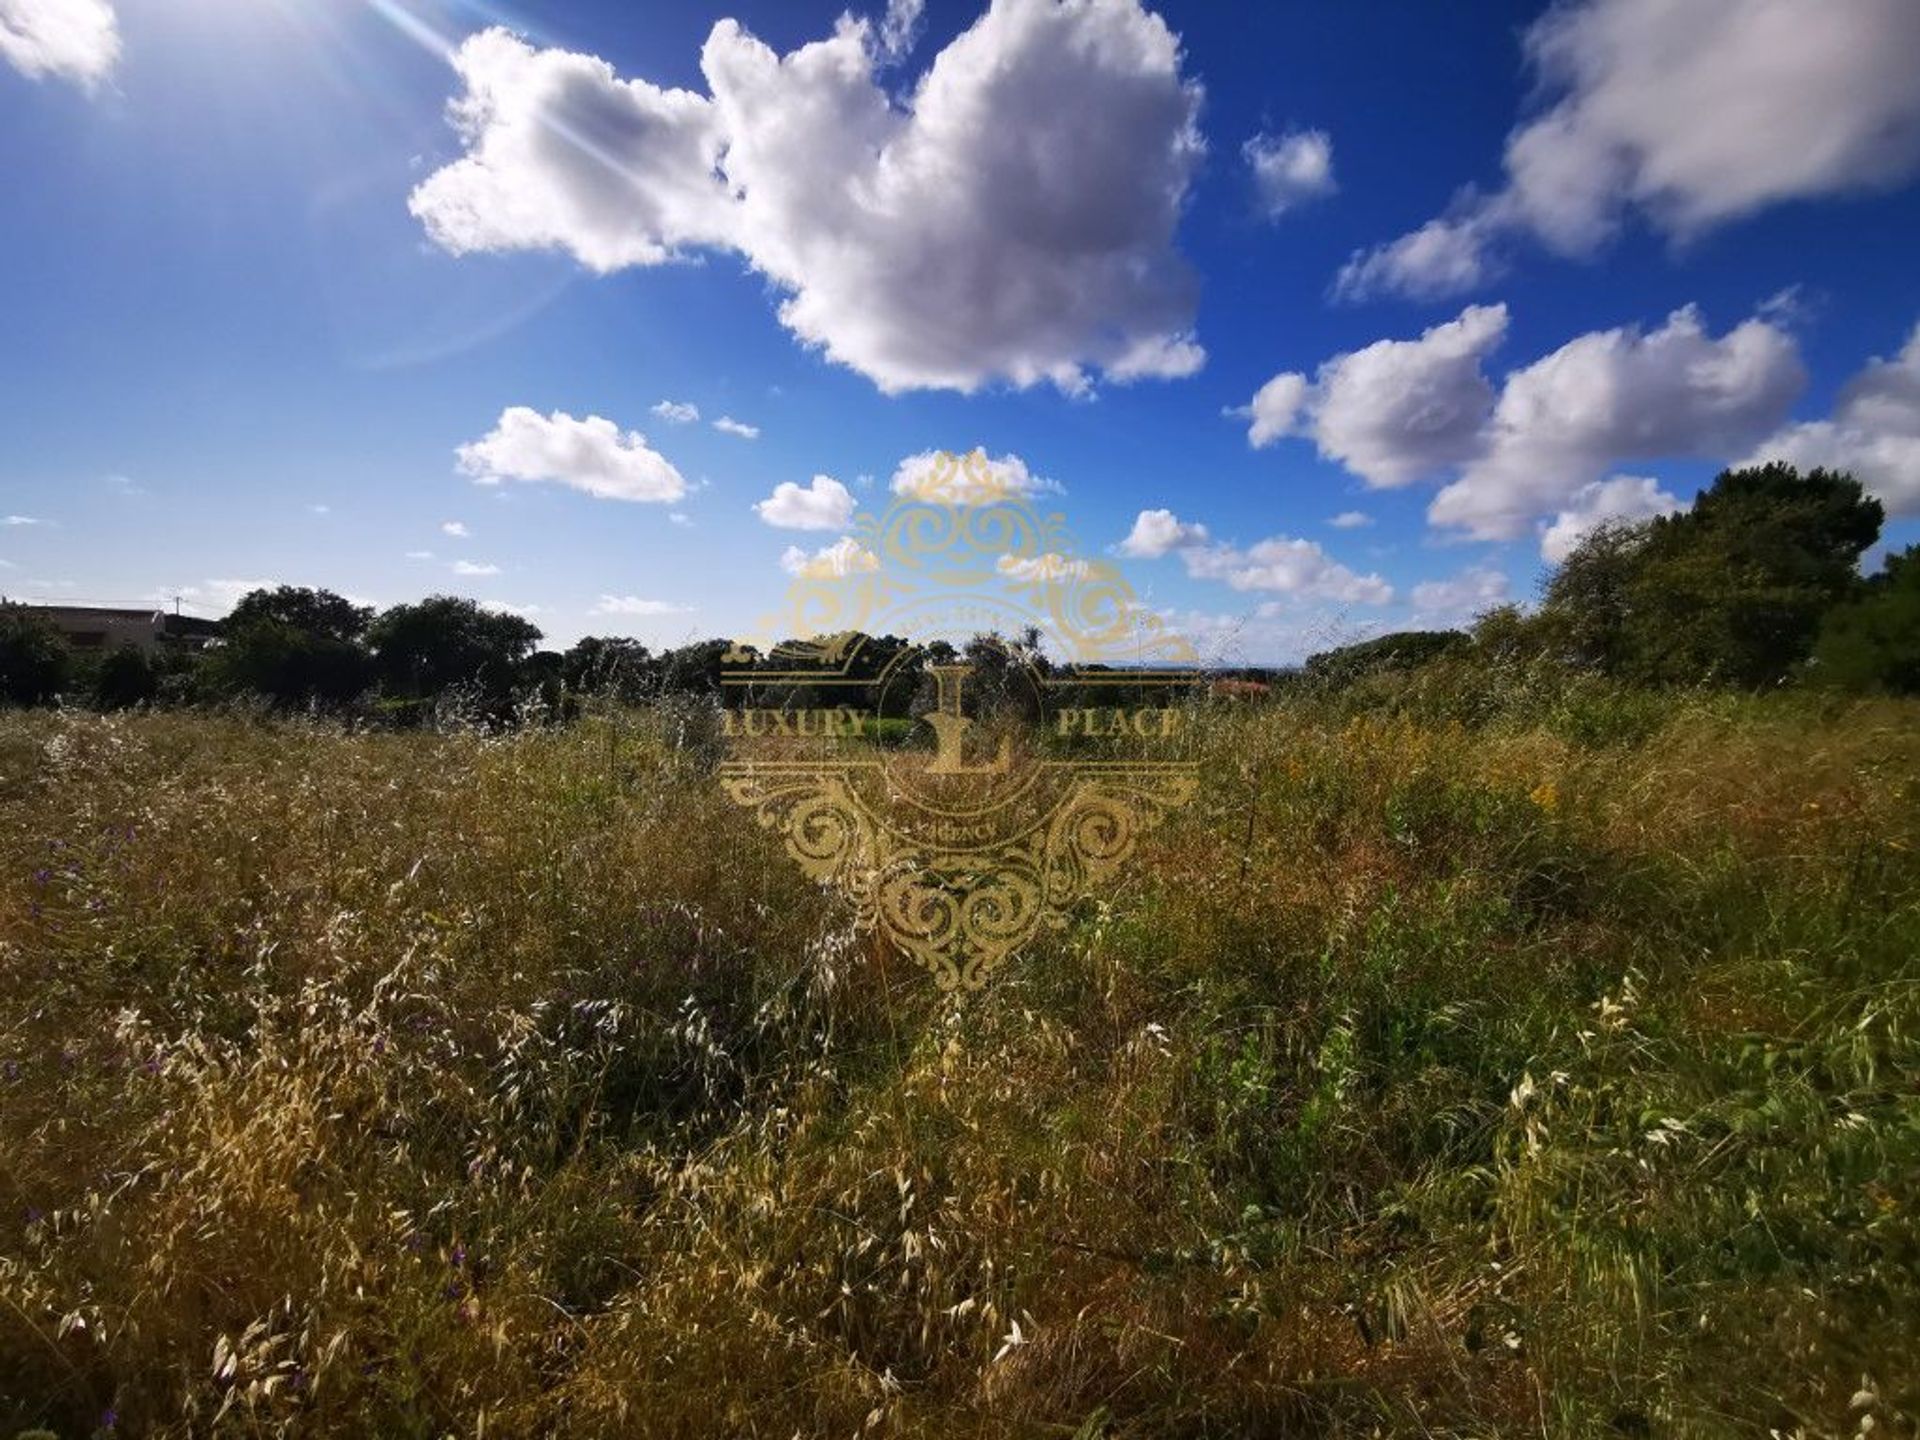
[{"x": 35, "y": 664}]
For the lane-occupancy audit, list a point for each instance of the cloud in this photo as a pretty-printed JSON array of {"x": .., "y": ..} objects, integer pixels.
[
  {"x": 846, "y": 556},
  {"x": 1624, "y": 499},
  {"x": 1403, "y": 410},
  {"x": 419, "y": 554},
  {"x": 1874, "y": 433},
  {"x": 1288, "y": 566},
  {"x": 561, "y": 154},
  {"x": 1291, "y": 169},
  {"x": 825, "y": 504},
  {"x": 505, "y": 607},
  {"x": 222, "y": 595},
  {"x": 474, "y": 567},
  {"x": 456, "y": 528},
  {"x": 590, "y": 455},
  {"x": 899, "y": 29},
  {"x": 1013, "y": 220},
  {"x": 318, "y": 509},
  {"x": 77, "y": 40},
  {"x": 1620, "y": 395},
  {"x": 926, "y": 476},
  {"x": 1447, "y": 604},
  {"x": 727, "y": 425},
  {"x": 1397, "y": 410},
  {"x": 1789, "y": 305},
  {"x": 1047, "y": 568},
  {"x": 1443, "y": 257},
  {"x": 1689, "y": 115},
  {"x": 677, "y": 412},
  {"x": 634, "y": 605},
  {"x": 1157, "y": 532},
  {"x": 1351, "y": 520},
  {"x": 21, "y": 520}
]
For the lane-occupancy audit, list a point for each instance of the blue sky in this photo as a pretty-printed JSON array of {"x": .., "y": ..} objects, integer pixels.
[{"x": 254, "y": 309}]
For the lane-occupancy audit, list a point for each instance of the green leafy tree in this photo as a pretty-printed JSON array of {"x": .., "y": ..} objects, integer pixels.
[
  {"x": 425, "y": 649},
  {"x": 1736, "y": 588},
  {"x": 694, "y": 669},
  {"x": 1588, "y": 603},
  {"x": 615, "y": 666},
  {"x": 1402, "y": 650},
  {"x": 1005, "y": 679},
  {"x": 313, "y": 612},
  {"x": 35, "y": 663},
  {"x": 125, "y": 677},
  {"x": 295, "y": 646},
  {"x": 1873, "y": 641},
  {"x": 1733, "y": 590}
]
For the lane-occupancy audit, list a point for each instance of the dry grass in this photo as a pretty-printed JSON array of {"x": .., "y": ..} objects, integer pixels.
[{"x": 1551, "y": 1072}]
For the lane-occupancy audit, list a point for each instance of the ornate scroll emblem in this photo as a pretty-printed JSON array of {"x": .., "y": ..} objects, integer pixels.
[{"x": 967, "y": 727}]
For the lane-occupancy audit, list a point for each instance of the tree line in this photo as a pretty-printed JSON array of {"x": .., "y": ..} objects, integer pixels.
[
  {"x": 1757, "y": 584},
  {"x": 296, "y": 649}
]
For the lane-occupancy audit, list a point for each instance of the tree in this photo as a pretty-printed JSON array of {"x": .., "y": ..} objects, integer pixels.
[
  {"x": 694, "y": 669},
  {"x": 313, "y": 612},
  {"x": 1873, "y": 642},
  {"x": 1733, "y": 590},
  {"x": 124, "y": 678},
  {"x": 1588, "y": 601},
  {"x": 612, "y": 665},
  {"x": 1402, "y": 650},
  {"x": 1736, "y": 588},
  {"x": 423, "y": 650},
  {"x": 35, "y": 662},
  {"x": 297, "y": 647}
]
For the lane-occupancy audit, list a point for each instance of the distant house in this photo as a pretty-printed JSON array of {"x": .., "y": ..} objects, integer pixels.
[{"x": 94, "y": 627}]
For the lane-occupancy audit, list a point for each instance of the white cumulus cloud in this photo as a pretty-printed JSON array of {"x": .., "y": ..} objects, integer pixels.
[
  {"x": 846, "y": 556},
  {"x": 1289, "y": 170},
  {"x": 635, "y": 605},
  {"x": 1011, "y": 218},
  {"x": 1688, "y": 114},
  {"x": 1157, "y": 532},
  {"x": 1533, "y": 449},
  {"x": 474, "y": 567},
  {"x": 824, "y": 504},
  {"x": 456, "y": 528},
  {"x": 591, "y": 455},
  {"x": 1874, "y": 433},
  {"x": 1397, "y": 410},
  {"x": 975, "y": 479},
  {"x": 1446, "y": 256},
  {"x": 1049, "y": 568},
  {"x": 1351, "y": 520},
  {"x": 1621, "y": 500},
  {"x": 727, "y": 425},
  {"x": 77, "y": 40},
  {"x": 1458, "y": 600},
  {"x": 677, "y": 412},
  {"x": 1620, "y": 395},
  {"x": 1287, "y": 566}
]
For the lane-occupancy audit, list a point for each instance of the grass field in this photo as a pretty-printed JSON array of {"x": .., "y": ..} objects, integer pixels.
[{"x": 1469, "y": 1068}]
